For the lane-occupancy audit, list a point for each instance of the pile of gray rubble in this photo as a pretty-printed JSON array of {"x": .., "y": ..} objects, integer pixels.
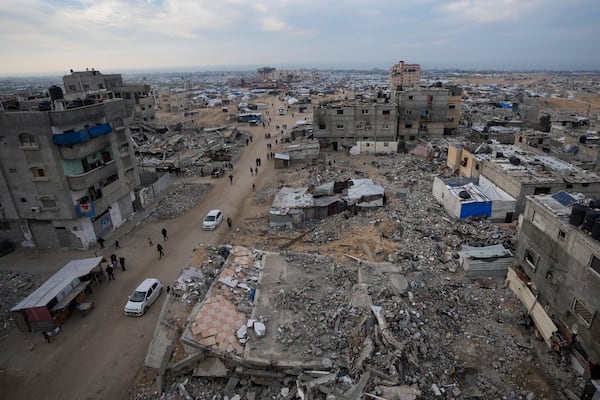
[{"x": 411, "y": 326}]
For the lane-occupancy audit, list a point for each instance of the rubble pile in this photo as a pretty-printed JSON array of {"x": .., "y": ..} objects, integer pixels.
[
  {"x": 196, "y": 151},
  {"x": 179, "y": 200},
  {"x": 409, "y": 327},
  {"x": 13, "y": 286}
]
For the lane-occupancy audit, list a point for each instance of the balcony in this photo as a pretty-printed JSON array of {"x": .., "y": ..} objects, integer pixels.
[
  {"x": 81, "y": 150},
  {"x": 77, "y": 115},
  {"x": 84, "y": 181}
]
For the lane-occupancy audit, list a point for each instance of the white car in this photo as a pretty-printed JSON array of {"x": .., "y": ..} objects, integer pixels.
[
  {"x": 143, "y": 296},
  {"x": 212, "y": 220}
]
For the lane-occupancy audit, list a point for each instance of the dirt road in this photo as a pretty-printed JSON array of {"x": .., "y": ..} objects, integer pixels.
[{"x": 98, "y": 356}]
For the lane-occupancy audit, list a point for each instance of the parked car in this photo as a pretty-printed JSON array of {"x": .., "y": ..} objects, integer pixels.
[
  {"x": 143, "y": 296},
  {"x": 212, "y": 220}
]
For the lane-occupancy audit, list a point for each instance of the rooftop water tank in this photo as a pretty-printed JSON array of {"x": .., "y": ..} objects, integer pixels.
[
  {"x": 577, "y": 214},
  {"x": 590, "y": 218}
]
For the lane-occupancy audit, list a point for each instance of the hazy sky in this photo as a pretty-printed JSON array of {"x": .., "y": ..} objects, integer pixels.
[{"x": 53, "y": 36}]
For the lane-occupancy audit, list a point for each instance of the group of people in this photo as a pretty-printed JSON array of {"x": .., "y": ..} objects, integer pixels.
[{"x": 159, "y": 247}]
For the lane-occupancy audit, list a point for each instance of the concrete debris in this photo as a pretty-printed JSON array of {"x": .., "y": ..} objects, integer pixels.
[
  {"x": 14, "y": 285},
  {"x": 211, "y": 366},
  {"x": 259, "y": 329},
  {"x": 181, "y": 198},
  {"x": 396, "y": 320}
]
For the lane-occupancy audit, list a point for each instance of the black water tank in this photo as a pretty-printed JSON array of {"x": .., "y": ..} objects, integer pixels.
[
  {"x": 514, "y": 160},
  {"x": 596, "y": 229},
  {"x": 56, "y": 92},
  {"x": 590, "y": 219},
  {"x": 594, "y": 203},
  {"x": 499, "y": 154},
  {"x": 463, "y": 194},
  {"x": 582, "y": 139},
  {"x": 577, "y": 214}
]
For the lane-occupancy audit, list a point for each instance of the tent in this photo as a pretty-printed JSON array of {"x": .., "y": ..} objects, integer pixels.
[{"x": 39, "y": 311}]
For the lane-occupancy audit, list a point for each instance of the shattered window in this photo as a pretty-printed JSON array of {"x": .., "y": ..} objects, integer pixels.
[
  {"x": 531, "y": 258},
  {"x": 583, "y": 312}
]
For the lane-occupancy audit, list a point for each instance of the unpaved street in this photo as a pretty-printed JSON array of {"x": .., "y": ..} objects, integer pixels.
[{"x": 98, "y": 356}]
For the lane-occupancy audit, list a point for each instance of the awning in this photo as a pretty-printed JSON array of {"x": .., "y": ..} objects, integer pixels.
[
  {"x": 58, "y": 282},
  {"x": 68, "y": 298}
]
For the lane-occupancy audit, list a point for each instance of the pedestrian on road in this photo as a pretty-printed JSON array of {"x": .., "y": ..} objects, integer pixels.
[
  {"x": 160, "y": 251},
  {"x": 231, "y": 179},
  {"x": 113, "y": 258},
  {"x": 101, "y": 242},
  {"x": 164, "y": 233},
  {"x": 256, "y": 171},
  {"x": 247, "y": 142},
  {"x": 122, "y": 262},
  {"x": 250, "y": 138},
  {"x": 109, "y": 271},
  {"x": 229, "y": 222},
  {"x": 150, "y": 242},
  {"x": 253, "y": 187},
  {"x": 251, "y": 171},
  {"x": 259, "y": 162},
  {"x": 117, "y": 244}
]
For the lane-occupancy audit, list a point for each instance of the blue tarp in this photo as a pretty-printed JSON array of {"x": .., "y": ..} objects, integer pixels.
[
  {"x": 100, "y": 129},
  {"x": 69, "y": 139},
  {"x": 476, "y": 209},
  {"x": 505, "y": 105}
]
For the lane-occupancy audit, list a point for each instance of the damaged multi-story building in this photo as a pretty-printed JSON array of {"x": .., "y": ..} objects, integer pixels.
[
  {"x": 559, "y": 256},
  {"x": 66, "y": 175},
  {"x": 342, "y": 124},
  {"x": 401, "y": 115},
  {"x": 81, "y": 85},
  {"x": 404, "y": 75}
]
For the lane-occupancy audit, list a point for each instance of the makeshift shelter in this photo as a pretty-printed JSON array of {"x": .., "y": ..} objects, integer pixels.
[
  {"x": 462, "y": 201},
  {"x": 282, "y": 160},
  {"x": 485, "y": 262},
  {"x": 365, "y": 194},
  {"x": 51, "y": 304},
  {"x": 291, "y": 207}
]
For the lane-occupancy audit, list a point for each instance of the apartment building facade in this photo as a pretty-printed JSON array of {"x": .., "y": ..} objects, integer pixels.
[
  {"x": 66, "y": 176},
  {"x": 93, "y": 84},
  {"x": 431, "y": 112},
  {"x": 559, "y": 255},
  {"x": 404, "y": 75},
  {"x": 174, "y": 100},
  {"x": 341, "y": 124}
]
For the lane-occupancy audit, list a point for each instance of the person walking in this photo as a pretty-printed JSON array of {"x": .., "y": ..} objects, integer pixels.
[
  {"x": 160, "y": 251},
  {"x": 109, "y": 272},
  {"x": 164, "y": 233},
  {"x": 231, "y": 179},
  {"x": 251, "y": 171},
  {"x": 149, "y": 242},
  {"x": 122, "y": 262},
  {"x": 101, "y": 242},
  {"x": 229, "y": 222},
  {"x": 117, "y": 246},
  {"x": 113, "y": 259},
  {"x": 256, "y": 171},
  {"x": 253, "y": 187}
]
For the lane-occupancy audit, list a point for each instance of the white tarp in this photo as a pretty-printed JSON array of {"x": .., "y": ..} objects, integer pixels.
[{"x": 58, "y": 282}]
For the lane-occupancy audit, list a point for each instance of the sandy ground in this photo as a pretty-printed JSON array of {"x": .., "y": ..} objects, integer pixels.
[{"x": 99, "y": 356}]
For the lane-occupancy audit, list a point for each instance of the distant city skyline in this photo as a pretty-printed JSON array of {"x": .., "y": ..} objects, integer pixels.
[{"x": 49, "y": 37}]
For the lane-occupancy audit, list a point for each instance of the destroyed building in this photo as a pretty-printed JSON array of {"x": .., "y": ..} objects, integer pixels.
[
  {"x": 67, "y": 175},
  {"x": 93, "y": 84},
  {"x": 174, "y": 100},
  {"x": 559, "y": 255}
]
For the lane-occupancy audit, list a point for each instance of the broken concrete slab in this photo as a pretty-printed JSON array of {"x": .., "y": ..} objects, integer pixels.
[
  {"x": 398, "y": 392},
  {"x": 211, "y": 366}
]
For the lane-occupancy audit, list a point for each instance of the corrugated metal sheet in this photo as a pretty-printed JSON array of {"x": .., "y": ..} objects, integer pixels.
[{"x": 541, "y": 319}]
